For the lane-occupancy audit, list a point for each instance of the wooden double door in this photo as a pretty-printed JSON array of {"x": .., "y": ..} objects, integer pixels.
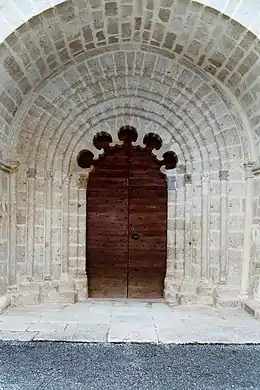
[{"x": 126, "y": 225}]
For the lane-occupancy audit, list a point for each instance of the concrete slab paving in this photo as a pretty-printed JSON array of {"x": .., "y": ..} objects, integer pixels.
[
  {"x": 14, "y": 326},
  {"x": 18, "y": 336},
  {"x": 127, "y": 332},
  {"x": 47, "y": 327},
  {"x": 129, "y": 321}
]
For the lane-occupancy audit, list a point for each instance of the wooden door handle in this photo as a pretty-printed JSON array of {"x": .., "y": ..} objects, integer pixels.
[{"x": 135, "y": 236}]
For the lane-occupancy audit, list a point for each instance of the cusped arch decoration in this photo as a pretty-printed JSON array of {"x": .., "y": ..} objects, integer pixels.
[{"x": 126, "y": 135}]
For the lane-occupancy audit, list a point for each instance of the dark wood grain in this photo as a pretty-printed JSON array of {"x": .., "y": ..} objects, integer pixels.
[
  {"x": 148, "y": 218},
  {"x": 126, "y": 198}
]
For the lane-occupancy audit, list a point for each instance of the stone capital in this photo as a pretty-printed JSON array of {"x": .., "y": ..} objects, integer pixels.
[
  {"x": 223, "y": 175},
  {"x": 31, "y": 173},
  {"x": 249, "y": 169},
  {"x": 66, "y": 178},
  {"x": 205, "y": 177},
  {"x": 83, "y": 181},
  {"x": 9, "y": 166}
]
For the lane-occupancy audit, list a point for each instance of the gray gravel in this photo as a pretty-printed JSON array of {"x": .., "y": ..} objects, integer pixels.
[{"x": 50, "y": 365}]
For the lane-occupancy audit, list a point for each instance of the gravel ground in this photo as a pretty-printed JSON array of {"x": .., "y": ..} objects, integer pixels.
[{"x": 78, "y": 366}]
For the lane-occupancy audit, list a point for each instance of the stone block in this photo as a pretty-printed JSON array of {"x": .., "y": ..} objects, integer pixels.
[
  {"x": 67, "y": 297},
  {"x": 49, "y": 292},
  {"x": 111, "y": 8},
  {"x": 164, "y": 14},
  {"x": 227, "y": 296},
  {"x": 81, "y": 287},
  {"x": 28, "y": 294},
  {"x": 187, "y": 299}
]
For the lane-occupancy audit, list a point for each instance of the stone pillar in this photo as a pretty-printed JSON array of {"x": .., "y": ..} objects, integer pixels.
[
  {"x": 205, "y": 230},
  {"x": 12, "y": 234},
  {"x": 31, "y": 174},
  {"x": 223, "y": 266},
  {"x": 179, "y": 229},
  {"x": 170, "y": 288},
  {"x": 47, "y": 267},
  {"x": 56, "y": 218},
  {"x": 256, "y": 233},
  {"x": 81, "y": 283},
  {"x": 188, "y": 232},
  {"x": 196, "y": 229},
  {"x": 204, "y": 289},
  {"x": 247, "y": 232},
  {"x": 8, "y": 232},
  {"x": 65, "y": 227}
]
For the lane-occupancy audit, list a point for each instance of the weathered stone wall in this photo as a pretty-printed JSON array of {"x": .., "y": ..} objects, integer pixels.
[
  {"x": 185, "y": 29},
  {"x": 175, "y": 68},
  {"x": 239, "y": 11},
  {"x": 189, "y": 113}
]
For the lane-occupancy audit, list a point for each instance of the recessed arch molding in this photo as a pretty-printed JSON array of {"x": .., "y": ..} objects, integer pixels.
[{"x": 186, "y": 76}]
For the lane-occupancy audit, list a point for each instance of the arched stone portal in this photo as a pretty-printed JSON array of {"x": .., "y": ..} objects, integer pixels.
[
  {"x": 126, "y": 244},
  {"x": 178, "y": 69}
]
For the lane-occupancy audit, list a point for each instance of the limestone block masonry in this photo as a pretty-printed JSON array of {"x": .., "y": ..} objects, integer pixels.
[{"x": 177, "y": 68}]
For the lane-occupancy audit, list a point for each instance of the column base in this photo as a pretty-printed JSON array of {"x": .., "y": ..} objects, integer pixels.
[
  {"x": 252, "y": 307},
  {"x": 227, "y": 296},
  {"x": 53, "y": 291},
  {"x": 170, "y": 290}
]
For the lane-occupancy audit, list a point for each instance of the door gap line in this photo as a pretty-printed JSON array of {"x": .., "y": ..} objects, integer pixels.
[{"x": 128, "y": 219}]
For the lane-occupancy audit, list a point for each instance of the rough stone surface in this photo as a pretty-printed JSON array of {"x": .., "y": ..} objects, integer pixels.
[
  {"x": 116, "y": 321},
  {"x": 187, "y": 72}
]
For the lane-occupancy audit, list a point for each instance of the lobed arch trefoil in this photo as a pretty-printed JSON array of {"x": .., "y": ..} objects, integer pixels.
[{"x": 104, "y": 143}]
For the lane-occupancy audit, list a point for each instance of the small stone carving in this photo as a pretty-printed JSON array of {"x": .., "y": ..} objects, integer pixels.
[
  {"x": 171, "y": 183},
  {"x": 31, "y": 173},
  {"x": 205, "y": 176},
  {"x": 223, "y": 175},
  {"x": 49, "y": 174},
  {"x": 187, "y": 178},
  {"x": 83, "y": 181},
  {"x": 249, "y": 169}
]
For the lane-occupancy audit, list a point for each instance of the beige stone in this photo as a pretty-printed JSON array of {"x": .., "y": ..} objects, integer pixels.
[{"x": 82, "y": 68}]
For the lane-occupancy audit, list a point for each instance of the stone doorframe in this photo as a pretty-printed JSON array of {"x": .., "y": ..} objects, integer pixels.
[
  {"x": 175, "y": 199},
  {"x": 174, "y": 178}
]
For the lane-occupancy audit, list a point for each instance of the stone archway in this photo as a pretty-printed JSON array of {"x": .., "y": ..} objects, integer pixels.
[
  {"x": 126, "y": 233},
  {"x": 194, "y": 84}
]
